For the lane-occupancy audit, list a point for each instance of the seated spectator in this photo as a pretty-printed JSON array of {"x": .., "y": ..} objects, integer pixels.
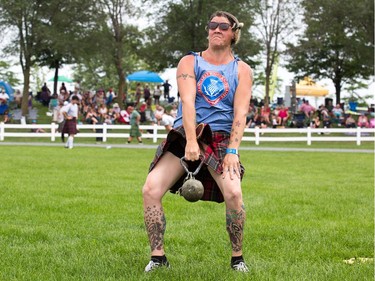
[
  {"x": 102, "y": 111},
  {"x": 363, "y": 121},
  {"x": 173, "y": 111},
  {"x": 91, "y": 116},
  {"x": 315, "y": 123},
  {"x": 265, "y": 112},
  {"x": 110, "y": 96},
  {"x": 165, "y": 120},
  {"x": 307, "y": 109},
  {"x": 325, "y": 117},
  {"x": 4, "y": 97},
  {"x": 252, "y": 114},
  {"x": 18, "y": 98},
  {"x": 350, "y": 122},
  {"x": 283, "y": 116},
  {"x": 338, "y": 114},
  {"x": 36, "y": 130},
  {"x": 4, "y": 112},
  {"x": 123, "y": 117},
  {"x": 372, "y": 123}
]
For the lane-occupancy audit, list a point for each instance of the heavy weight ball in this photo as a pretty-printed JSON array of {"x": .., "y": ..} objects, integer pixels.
[{"x": 192, "y": 190}]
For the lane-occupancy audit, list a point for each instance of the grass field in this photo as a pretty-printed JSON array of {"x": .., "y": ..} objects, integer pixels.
[{"x": 77, "y": 215}]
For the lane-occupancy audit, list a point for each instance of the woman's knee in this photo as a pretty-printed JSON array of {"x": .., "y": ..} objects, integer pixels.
[{"x": 233, "y": 195}]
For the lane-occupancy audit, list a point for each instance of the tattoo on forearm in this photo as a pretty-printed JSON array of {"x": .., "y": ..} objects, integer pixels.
[
  {"x": 155, "y": 226},
  {"x": 235, "y": 220},
  {"x": 185, "y": 76},
  {"x": 238, "y": 123}
]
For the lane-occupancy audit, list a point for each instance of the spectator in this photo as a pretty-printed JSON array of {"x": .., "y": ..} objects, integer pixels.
[
  {"x": 283, "y": 116},
  {"x": 315, "y": 123},
  {"x": 123, "y": 117},
  {"x": 91, "y": 116},
  {"x": 36, "y": 130},
  {"x": 173, "y": 111},
  {"x": 350, "y": 122},
  {"x": 45, "y": 95},
  {"x": 363, "y": 121},
  {"x": 265, "y": 112},
  {"x": 307, "y": 109},
  {"x": 54, "y": 107},
  {"x": 251, "y": 116},
  {"x": 102, "y": 111},
  {"x": 338, "y": 114},
  {"x": 138, "y": 94},
  {"x": 18, "y": 98},
  {"x": 135, "y": 119},
  {"x": 110, "y": 96},
  {"x": 167, "y": 88},
  {"x": 165, "y": 120},
  {"x": 147, "y": 94},
  {"x": 4, "y": 97},
  {"x": 63, "y": 88},
  {"x": 157, "y": 94},
  {"x": 325, "y": 117}
]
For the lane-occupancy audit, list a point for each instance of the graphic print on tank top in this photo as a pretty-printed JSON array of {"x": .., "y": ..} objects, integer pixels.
[{"x": 213, "y": 86}]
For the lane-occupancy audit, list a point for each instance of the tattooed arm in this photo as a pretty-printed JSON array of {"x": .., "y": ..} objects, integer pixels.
[
  {"x": 187, "y": 88},
  {"x": 241, "y": 107}
]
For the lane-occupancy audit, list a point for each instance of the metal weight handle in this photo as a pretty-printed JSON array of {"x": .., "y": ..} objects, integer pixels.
[{"x": 185, "y": 166}]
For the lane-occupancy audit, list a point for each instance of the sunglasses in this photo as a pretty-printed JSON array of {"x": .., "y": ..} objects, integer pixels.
[{"x": 222, "y": 25}]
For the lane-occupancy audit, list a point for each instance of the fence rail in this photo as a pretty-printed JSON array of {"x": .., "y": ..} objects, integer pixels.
[{"x": 155, "y": 132}]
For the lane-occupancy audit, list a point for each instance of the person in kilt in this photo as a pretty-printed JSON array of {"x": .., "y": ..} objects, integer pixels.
[
  {"x": 70, "y": 113},
  {"x": 215, "y": 91},
  {"x": 135, "y": 119}
]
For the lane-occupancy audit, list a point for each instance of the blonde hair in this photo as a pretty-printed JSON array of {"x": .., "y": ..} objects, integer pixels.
[{"x": 235, "y": 24}]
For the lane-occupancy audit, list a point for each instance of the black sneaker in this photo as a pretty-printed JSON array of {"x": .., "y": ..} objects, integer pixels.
[
  {"x": 240, "y": 266},
  {"x": 153, "y": 264}
]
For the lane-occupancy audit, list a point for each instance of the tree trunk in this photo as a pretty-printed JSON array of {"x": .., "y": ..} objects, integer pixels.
[
  {"x": 55, "y": 79},
  {"x": 25, "y": 94}
]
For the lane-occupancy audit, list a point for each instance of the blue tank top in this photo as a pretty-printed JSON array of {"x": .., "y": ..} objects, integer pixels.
[{"x": 216, "y": 86}]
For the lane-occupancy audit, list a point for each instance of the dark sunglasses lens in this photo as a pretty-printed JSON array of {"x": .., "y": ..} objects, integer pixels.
[{"x": 222, "y": 26}]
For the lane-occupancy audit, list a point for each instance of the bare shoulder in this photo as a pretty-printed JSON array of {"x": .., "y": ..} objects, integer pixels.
[
  {"x": 244, "y": 70},
  {"x": 186, "y": 60}
]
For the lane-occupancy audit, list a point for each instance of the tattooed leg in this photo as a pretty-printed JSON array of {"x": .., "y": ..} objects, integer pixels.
[
  {"x": 155, "y": 226},
  {"x": 235, "y": 220}
]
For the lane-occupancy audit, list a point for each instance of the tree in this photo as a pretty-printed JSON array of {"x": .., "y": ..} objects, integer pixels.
[
  {"x": 338, "y": 42},
  {"x": 66, "y": 27},
  {"x": 25, "y": 17},
  {"x": 180, "y": 28},
  {"x": 275, "y": 22},
  {"x": 7, "y": 75}
]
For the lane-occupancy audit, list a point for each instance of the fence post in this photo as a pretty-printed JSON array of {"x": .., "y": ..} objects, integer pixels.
[
  {"x": 358, "y": 135},
  {"x": 53, "y": 131},
  {"x": 2, "y": 131},
  {"x": 309, "y": 135},
  {"x": 155, "y": 133},
  {"x": 104, "y": 132},
  {"x": 257, "y": 135}
]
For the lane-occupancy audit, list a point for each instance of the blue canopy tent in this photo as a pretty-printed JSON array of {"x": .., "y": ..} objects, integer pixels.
[
  {"x": 145, "y": 76},
  {"x": 8, "y": 89}
]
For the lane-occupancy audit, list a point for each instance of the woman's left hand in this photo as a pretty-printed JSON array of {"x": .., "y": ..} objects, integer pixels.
[{"x": 231, "y": 165}]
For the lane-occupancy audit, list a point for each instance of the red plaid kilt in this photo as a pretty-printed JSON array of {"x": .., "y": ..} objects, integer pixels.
[
  {"x": 216, "y": 144},
  {"x": 70, "y": 127}
]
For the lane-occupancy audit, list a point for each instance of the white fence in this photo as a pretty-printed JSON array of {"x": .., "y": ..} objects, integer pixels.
[{"x": 154, "y": 132}]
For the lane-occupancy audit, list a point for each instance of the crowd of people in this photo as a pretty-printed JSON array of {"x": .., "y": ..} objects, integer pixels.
[{"x": 263, "y": 116}]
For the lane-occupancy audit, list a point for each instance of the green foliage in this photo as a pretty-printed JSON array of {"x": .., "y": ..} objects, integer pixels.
[
  {"x": 77, "y": 215},
  {"x": 7, "y": 75},
  {"x": 180, "y": 28},
  {"x": 337, "y": 43}
]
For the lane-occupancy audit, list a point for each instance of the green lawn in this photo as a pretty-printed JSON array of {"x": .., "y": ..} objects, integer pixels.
[{"x": 77, "y": 215}]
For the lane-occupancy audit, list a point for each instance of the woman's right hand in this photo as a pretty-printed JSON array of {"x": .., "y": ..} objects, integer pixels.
[{"x": 192, "y": 151}]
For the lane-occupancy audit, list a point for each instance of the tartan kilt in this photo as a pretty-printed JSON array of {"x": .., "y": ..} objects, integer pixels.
[
  {"x": 216, "y": 144},
  {"x": 70, "y": 127},
  {"x": 134, "y": 131}
]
